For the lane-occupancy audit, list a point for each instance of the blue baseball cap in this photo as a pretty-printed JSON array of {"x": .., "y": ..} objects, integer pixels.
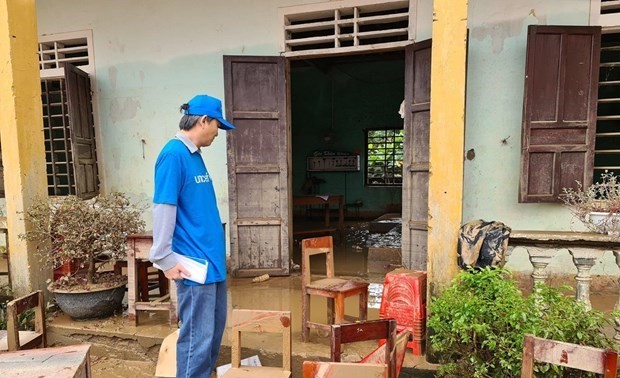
[{"x": 205, "y": 105}]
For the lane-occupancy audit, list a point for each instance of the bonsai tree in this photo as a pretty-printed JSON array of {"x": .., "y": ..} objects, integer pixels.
[
  {"x": 598, "y": 205},
  {"x": 85, "y": 232}
]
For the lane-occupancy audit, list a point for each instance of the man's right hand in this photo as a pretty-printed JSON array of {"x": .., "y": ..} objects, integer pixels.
[{"x": 178, "y": 272}]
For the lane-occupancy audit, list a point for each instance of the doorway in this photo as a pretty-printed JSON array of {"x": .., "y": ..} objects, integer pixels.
[{"x": 347, "y": 140}]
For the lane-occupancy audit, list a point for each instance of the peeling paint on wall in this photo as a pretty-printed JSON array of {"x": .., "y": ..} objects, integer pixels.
[{"x": 125, "y": 111}]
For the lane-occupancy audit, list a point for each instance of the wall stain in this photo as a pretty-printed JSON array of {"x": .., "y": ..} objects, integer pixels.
[
  {"x": 125, "y": 111},
  {"x": 113, "y": 72},
  {"x": 498, "y": 28}
]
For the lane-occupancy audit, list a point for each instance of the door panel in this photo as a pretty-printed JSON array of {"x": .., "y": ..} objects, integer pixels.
[
  {"x": 416, "y": 156},
  {"x": 259, "y": 175}
]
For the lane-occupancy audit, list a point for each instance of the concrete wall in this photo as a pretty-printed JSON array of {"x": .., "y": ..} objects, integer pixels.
[
  {"x": 153, "y": 55},
  {"x": 495, "y": 79}
]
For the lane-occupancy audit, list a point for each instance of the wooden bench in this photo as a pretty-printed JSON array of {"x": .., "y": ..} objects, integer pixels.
[{"x": 71, "y": 361}]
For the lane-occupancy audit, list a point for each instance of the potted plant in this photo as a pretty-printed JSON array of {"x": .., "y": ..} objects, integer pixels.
[
  {"x": 598, "y": 205},
  {"x": 89, "y": 234}
]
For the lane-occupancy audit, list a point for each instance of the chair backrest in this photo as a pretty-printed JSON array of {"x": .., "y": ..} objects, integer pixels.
[
  {"x": 320, "y": 369},
  {"x": 574, "y": 356},
  {"x": 316, "y": 246},
  {"x": 364, "y": 331},
  {"x": 259, "y": 321},
  {"x": 14, "y": 309}
]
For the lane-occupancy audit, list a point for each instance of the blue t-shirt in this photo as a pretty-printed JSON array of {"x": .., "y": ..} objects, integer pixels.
[{"x": 181, "y": 179}]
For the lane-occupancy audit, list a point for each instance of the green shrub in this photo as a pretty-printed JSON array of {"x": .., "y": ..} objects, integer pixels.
[{"x": 478, "y": 324}]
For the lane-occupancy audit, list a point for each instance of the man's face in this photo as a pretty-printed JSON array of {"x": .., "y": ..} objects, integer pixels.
[{"x": 209, "y": 130}]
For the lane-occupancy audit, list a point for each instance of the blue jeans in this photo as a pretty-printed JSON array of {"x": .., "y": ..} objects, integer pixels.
[{"x": 202, "y": 311}]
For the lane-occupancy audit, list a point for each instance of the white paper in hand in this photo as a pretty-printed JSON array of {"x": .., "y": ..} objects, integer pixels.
[{"x": 196, "y": 269}]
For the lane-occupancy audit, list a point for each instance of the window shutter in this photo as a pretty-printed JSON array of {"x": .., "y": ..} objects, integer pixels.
[
  {"x": 82, "y": 132},
  {"x": 559, "y": 110}
]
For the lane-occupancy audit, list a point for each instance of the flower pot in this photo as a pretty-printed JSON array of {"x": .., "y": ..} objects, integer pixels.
[
  {"x": 90, "y": 304},
  {"x": 605, "y": 223}
]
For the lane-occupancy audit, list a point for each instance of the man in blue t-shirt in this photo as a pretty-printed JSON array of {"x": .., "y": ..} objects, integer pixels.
[{"x": 187, "y": 225}]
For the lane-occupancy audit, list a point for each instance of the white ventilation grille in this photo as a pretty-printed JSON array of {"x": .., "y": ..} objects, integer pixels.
[
  {"x": 346, "y": 26},
  {"x": 57, "y": 49}
]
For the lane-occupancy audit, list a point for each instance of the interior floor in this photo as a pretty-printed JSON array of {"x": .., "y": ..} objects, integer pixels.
[{"x": 370, "y": 247}]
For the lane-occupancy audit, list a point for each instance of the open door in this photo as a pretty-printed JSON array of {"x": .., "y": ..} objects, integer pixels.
[
  {"x": 258, "y": 170},
  {"x": 416, "y": 155},
  {"x": 82, "y": 132}
]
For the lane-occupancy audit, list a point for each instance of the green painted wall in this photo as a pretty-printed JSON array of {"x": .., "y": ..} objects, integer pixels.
[
  {"x": 342, "y": 98},
  {"x": 495, "y": 79}
]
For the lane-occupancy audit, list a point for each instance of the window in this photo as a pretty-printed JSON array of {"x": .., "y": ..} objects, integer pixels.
[
  {"x": 68, "y": 121},
  {"x": 384, "y": 157},
  {"x": 346, "y": 26},
  {"x": 607, "y": 152}
]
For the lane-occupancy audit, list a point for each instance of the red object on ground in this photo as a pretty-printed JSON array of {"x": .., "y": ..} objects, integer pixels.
[{"x": 404, "y": 299}]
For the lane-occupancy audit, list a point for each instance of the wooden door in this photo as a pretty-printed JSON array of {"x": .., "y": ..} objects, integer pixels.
[
  {"x": 258, "y": 169},
  {"x": 81, "y": 123},
  {"x": 416, "y": 155}
]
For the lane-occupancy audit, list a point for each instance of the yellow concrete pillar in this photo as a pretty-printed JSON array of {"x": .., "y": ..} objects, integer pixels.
[
  {"x": 21, "y": 136},
  {"x": 447, "y": 134}
]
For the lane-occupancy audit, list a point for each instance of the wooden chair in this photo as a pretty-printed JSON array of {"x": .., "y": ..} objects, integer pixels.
[
  {"x": 319, "y": 369},
  {"x": 600, "y": 361},
  {"x": 259, "y": 321},
  {"x": 336, "y": 290},
  {"x": 365, "y": 331},
  {"x": 18, "y": 340}
]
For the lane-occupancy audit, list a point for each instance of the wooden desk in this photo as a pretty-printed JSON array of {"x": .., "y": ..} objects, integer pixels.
[
  {"x": 325, "y": 201},
  {"x": 62, "y": 362}
]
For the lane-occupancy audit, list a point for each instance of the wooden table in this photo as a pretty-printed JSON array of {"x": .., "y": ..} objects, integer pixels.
[
  {"x": 325, "y": 201},
  {"x": 60, "y": 362}
]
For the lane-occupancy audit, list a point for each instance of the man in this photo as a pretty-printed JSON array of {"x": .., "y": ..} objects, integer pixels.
[{"x": 186, "y": 223}]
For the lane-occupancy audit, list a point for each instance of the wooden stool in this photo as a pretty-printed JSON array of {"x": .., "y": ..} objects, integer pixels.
[
  {"x": 137, "y": 262},
  {"x": 336, "y": 290}
]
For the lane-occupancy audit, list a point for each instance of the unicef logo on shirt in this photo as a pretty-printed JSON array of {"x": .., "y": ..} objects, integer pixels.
[{"x": 201, "y": 179}]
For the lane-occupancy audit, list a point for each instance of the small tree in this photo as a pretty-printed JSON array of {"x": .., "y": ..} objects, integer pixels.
[{"x": 84, "y": 231}]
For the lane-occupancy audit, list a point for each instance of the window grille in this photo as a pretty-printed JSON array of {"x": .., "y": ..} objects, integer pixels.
[
  {"x": 346, "y": 26},
  {"x": 384, "y": 157},
  {"x": 56, "y": 131},
  {"x": 606, "y": 153}
]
